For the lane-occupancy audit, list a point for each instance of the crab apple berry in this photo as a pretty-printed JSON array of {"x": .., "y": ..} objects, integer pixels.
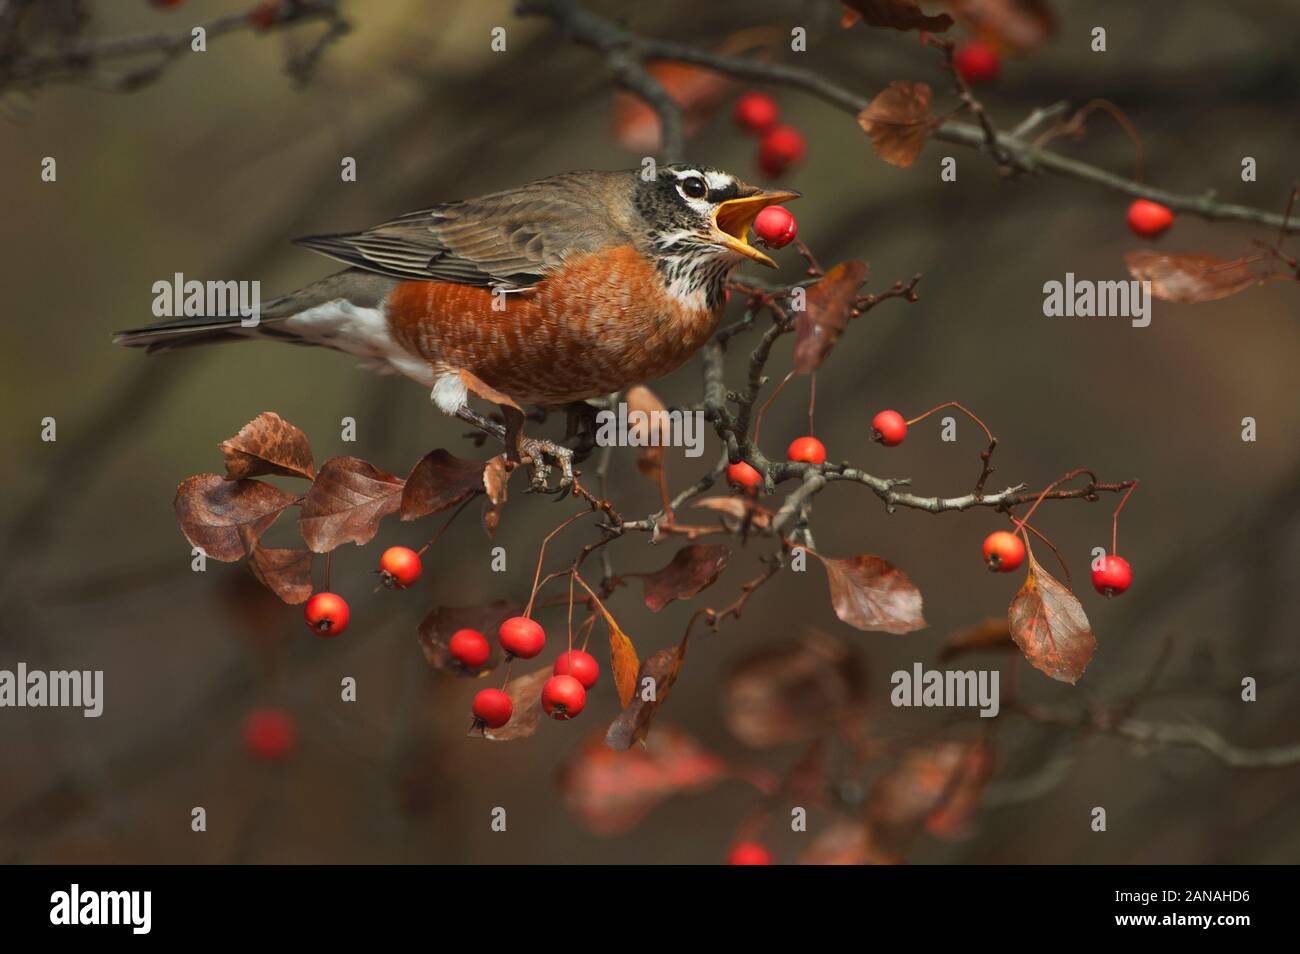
[
  {"x": 327, "y": 614},
  {"x": 580, "y": 665},
  {"x": 756, "y": 112},
  {"x": 522, "y": 637},
  {"x": 563, "y": 697},
  {"x": 1003, "y": 551},
  {"x": 780, "y": 148},
  {"x": 889, "y": 428},
  {"x": 1149, "y": 219},
  {"x": 1113, "y": 577},
  {"x": 809, "y": 450},
  {"x": 749, "y": 853},
  {"x": 269, "y": 734},
  {"x": 776, "y": 226},
  {"x": 469, "y": 647},
  {"x": 744, "y": 476},
  {"x": 263, "y": 15},
  {"x": 399, "y": 567},
  {"x": 977, "y": 62},
  {"x": 493, "y": 708}
]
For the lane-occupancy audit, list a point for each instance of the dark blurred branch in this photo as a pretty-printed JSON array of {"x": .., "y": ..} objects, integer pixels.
[
  {"x": 1018, "y": 154},
  {"x": 79, "y": 59}
]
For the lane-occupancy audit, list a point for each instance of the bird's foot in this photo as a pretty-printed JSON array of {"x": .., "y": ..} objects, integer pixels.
[{"x": 536, "y": 452}]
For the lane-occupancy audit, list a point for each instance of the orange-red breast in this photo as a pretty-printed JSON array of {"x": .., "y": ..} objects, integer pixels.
[{"x": 563, "y": 289}]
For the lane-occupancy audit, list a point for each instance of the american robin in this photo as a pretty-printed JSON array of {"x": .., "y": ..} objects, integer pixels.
[{"x": 563, "y": 289}]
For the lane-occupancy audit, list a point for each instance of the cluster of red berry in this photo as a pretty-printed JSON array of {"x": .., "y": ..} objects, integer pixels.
[
  {"x": 327, "y": 614},
  {"x": 779, "y": 147},
  {"x": 563, "y": 696}
]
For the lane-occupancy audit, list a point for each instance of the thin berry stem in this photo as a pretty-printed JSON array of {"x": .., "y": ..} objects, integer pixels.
[
  {"x": 541, "y": 555},
  {"x": 448, "y": 523},
  {"x": 969, "y": 413},
  {"x": 758, "y": 418},
  {"x": 1114, "y": 527}
]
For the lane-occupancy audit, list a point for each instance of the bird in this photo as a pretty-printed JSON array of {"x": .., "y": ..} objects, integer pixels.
[{"x": 561, "y": 290}]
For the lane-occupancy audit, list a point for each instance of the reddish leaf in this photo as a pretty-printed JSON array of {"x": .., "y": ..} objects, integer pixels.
[
  {"x": 286, "y": 573},
  {"x": 1017, "y": 26},
  {"x": 692, "y": 568},
  {"x": 872, "y": 594},
  {"x": 650, "y": 458},
  {"x": 1188, "y": 279},
  {"x": 268, "y": 444},
  {"x": 438, "y": 481},
  {"x": 952, "y": 819},
  {"x": 612, "y": 791},
  {"x": 1050, "y": 627},
  {"x": 511, "y": 412},
  {"x": 826, "y": 315},
  {"x": 437, "y": 628},
  {"x": 525, "y": 694},
  {"x": 633, "y": 723},
  {"x": 496, "y": 476},
  {"x": 988, "y": 634},
  {"x": 697, "y": 91},
  {"x": 896, "y": 14},
  {"x": 793, "y": 691},
  {"x": 899, "y": 122},
  {"x": 346, "y": 503},
  {"x": 623, "y": 659},
  {"x": 843, "y": 842},
  {"x": 924, "y": 782},
  {"x": 226, "y": 517}
]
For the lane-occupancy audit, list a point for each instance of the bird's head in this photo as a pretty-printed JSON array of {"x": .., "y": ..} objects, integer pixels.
[{"x": 696, "y": 212}]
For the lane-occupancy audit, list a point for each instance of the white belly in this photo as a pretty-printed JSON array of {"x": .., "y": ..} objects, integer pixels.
[{"x": 362, "y": 332}]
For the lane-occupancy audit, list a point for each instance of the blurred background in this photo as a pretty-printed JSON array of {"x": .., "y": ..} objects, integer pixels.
[{"x": 215, "y": 167}]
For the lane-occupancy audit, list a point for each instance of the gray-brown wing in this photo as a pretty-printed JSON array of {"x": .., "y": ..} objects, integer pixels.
[{"x": 507, "y": 239}]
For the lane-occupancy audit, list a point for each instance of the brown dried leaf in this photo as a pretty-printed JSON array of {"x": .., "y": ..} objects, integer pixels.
[
  {"x": 1188, "y": 279},
  {"x": 924, "y": 782},
  {"x": 896, "y": 14},
  {"x": 268, "y": 444},
  {"x": 872, "y": 594},
  {"x": 826, "y": 314},
  {"x": 792, "y": 691},
  {"x": 226, "y": 517},
  {"x": 525, "y": 694},
  {"x": 612, "y": 791},
  {"x": 1050, "y": 627},
  {"x": 440, "y": 480},
  {"x": 733, "y": 510},
  {"x": 988, "y": 634},
  {"x": 437, "y": 628},
  {"x": 692, "y": 568},
  {"x": 844, "y": 842},
  {"x": 346, "y": 503},
  {"x": 496, "y": 477},
  {"x": 633, "y": 723},
  {"x": 649, "y": 459},
  {"x": 511, "y": 412},
  {"x": 952, "y": 819},
  {"x": 899, "y": 122},
  {"x": 286, "y": 573},
  {"x": 1016, "y": 26}
]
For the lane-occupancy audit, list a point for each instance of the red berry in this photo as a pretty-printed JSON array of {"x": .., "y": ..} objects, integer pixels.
[
  {"x": 749, "y": 853},
  {"x": 327, "y": 614},
  {"x": 269, "y": 734},
  {"x": 399, "y": 567},
  {"x": 889, "y": 428},
  {"x": 469, "y": 647},
  {"x": 1113, "y": 577},
  {"x": 493, "y": 708},
  {"x": 807, "y": 449},
  {"x": 581, "y": 666},
  {"x": 756, "y": 112},
  {"x": 522, "y": 637},
  {"x": 165, "y": 4},
  {"x": 776, "y": 226},
  {"x": 743, "y": 476},
  {"x": 264, "y": 14},
  {"x": 977, "y": 62},
  {"x": 1003, "y": 551},
  {"x": 780, "y": 148},
  {"x": 563, "y": 697},
  {"x": 1148, "y": 219}
]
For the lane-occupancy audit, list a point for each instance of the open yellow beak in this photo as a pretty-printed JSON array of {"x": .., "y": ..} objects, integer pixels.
[{"x": 734, "y": 217}]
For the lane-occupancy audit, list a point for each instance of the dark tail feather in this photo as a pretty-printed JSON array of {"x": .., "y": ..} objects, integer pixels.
[{"x": 187, "y": 332}]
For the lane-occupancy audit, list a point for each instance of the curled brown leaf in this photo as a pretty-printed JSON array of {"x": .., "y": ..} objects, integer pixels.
[
  {"x": 899, "y": 122},
  {"x": 826, "y": 314},
  {"x": 987, "y": 634},
  {"x": 1189, "y": 279},
  {"x": 692, "y": 569},
  {"x": 657, "y": 434},
  {"x": 268, "y": 444},
  {"x": 286, "y": 573},
  {"x": 496, "y": 478},
  {"x": 346, "y": 503},
  {"x": 895, "y": 14},
  {"x": 1017, "y": 26},
  {"x": 1050, "y": 627},
  {"x": 633, "y": 723},
  {"x": 872, "y": 594},
  {"x": 440, "y": 480},
  {"x": 225, "y": 518}
]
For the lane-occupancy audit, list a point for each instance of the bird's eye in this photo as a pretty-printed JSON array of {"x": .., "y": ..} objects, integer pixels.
[{"x": 694, "y": 188}]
